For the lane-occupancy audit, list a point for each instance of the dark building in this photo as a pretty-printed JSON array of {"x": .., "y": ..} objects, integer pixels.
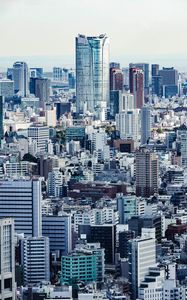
[
  {"x": 76, "y": 133},
  {"x": 40, "y": 87},
  {"x": 71, "y": 80},
  {"x": 45, "y": 165},
  {"x": 157, "y": 85},
  {"x": 136, "y": 223},
  {"x": 146, "y": 173},
  {"x": 154, "y": 69},
  {"x": 170, "y": 90},
  {"x": 42, "y": 90},
  {"x": 144, "y": 67},
  {"x": 62, "y": 108},
  {"x": 116, "y": 79},
  {"x": 104, "y": 234},
  {"x": 114, "y": 103},
  {"x": 169, "y": 81},
  {"x": 136, "y": 83},
  {"x": 124, "y": 145},
  {"x": 124, "y": 237}
]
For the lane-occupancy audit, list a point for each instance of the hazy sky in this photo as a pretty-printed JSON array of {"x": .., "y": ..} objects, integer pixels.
[{"x": 137, "y": 28}]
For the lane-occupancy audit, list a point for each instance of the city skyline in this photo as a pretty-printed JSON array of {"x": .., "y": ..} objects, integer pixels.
[{"x": 140, "y": 30}]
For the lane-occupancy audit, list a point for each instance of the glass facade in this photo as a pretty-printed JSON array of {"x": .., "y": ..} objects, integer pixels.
[{"x": 92, "y": 73}]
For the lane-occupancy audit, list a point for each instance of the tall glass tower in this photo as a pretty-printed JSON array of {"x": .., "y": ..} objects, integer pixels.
[
  {"x": 92, "y": 75},
  {"x": 21, "y": 78}
]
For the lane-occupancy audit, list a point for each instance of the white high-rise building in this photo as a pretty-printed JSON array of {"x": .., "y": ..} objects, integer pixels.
[
  {"x": 142, "y": 256},
  {"x": 35, "y": 259},
  {"x": 41, "y": 135},
  {"x": 128, "y": 124},
  {"x": 21, "y": 200},
  {"x": 99, "y": 139},
  {"x": 126, "y": 102},
  {"x": 7, "y": 259},
  {"x": 92, "y": 75},
  {"x": 21, "y": 78}
]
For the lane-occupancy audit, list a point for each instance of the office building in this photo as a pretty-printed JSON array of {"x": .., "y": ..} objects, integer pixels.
[
  {"x": 144, "y": 67},
  {"x": 71, "y": 80},
  {"x": 136, "y": 85},
  {"x": 123, "y": 245},
  {"x": 51, "y": 117},
  {"x": 157, "y": 85},
  {"x": 21, "y": 78},
  {"x": 145, "y": 124},
  {"x": 76, "y": 133},
  {"x": 62, "y": 108},
  {"x": 21, "y": 200},
  {"x": 146, "y": 173},
  {"x": 136, "y": 223},
  {"x": 86, "y": 263},
  {"x": 57, "y": 74},
  {"x": 55, "y": 183},
  {"x": 125, "y": 78},
  {"x": 152, "y": 285},
  {"x": 169, "y": 76},
  {"x": 7, "y": 254},
  {"x": 92, "y": 75},
  {"x": 116, "y": 79},
  {"x": 1, "y": 118},
  {"x": 114, "y": 103},
  {"x": 154, "y": 70},
  {"x": 169, "y": 81},
  {"x": 35, "y": 259},
  {"x": 128, "y": 124},
  {"x": 129, "y": 206},
  {"x": 36, "y": 72},
  {"x": 9, "y": 74},
  {"x": 142, "y": 255},
  {"x": 58, "y": 229},
  {"x": 104, "y": 234},
  {"x": 126, "y": 102},
  {"x": 183, "y": 143},
  {"x": 6, "y": 88},
  {"x": 42, "y": 90},
  {"x": 40, "y": 134}
]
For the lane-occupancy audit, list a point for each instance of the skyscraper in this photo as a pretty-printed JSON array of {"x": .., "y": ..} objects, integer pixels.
[
  {"x": 92, "y": 75},
  {"x": 127, "y": 123},
  {"x": 21, "y": 200},
  {"x": 21, "y": 78},
  {"x": 169, "y": 81},
  {"x": 42, "y": 90},
  {"x": 1, "y": 118},
  {"x": 116, "y": 79},
  {"x": 154, "y": 70},
  {"x": 136, "y": 82},
  {"x": 145, "y": 69},
  {"x": 7, "y": 254},
  {"x": 145, "y": 124},
  {"x": 142, "y": 255},
  {"x": 146, "y": 173}
]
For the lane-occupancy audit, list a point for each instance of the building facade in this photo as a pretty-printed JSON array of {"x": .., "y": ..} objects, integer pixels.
[{"x": 92, "y": 75}]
